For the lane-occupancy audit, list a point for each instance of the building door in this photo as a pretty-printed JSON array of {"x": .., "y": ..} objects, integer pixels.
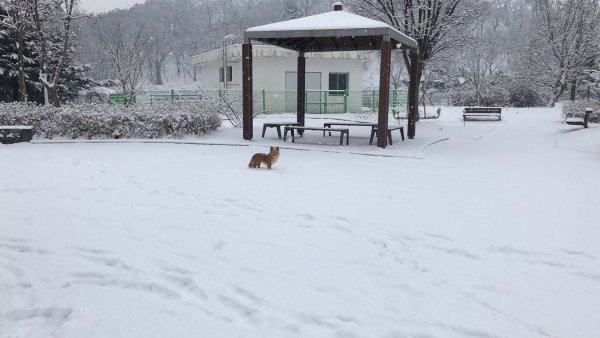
[{"x": 313, "y": 82}]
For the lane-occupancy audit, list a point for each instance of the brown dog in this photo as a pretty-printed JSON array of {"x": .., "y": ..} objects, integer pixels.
[{"x": 268, "y": 159}]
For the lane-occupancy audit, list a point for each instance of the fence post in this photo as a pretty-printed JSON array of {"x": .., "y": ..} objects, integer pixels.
[
  {"x": 345, "y": 100},
  {"x": 172, "y": 95},
  {"x": 264, "y": 101},
  {"x": 325, "y": 104},
  {"x": 305, "y": 100},
  {"x": 373, "y": 100}
]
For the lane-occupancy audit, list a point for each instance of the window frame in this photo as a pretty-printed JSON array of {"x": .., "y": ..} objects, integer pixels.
[{"x": 336, "y": 84}]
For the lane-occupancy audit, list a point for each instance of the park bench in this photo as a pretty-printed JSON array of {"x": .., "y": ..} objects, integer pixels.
[
  {"x": 278, "y": 126},
  {"x": 471, "y": 112},
  {"x": 301, "y": 130},
  {"x": 389, "y": 133},
  {"x": 578, "y": 121},
  {"x": 347, "y": 124},
  {"x": 373, "y": 126},
  {"x": 14, "y": 134}
]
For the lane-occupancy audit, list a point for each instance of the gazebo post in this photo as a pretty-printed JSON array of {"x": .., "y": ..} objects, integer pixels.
[
  {"x": 413, "y": 94},
  {"x": 301, "y": 88},
  {"x": 247, "y": 90},
  {"x": 384, "y": 91}
]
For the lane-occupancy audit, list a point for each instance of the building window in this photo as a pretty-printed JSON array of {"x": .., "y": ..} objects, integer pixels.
[
  {"x": 338, "y": 81},
  {"x": 229, "y": 74}
]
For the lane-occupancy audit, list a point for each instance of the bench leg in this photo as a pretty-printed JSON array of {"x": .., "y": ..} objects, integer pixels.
[
  {"x": 342, "y": 138},
  {"x": 293, "y": 138},
  {"x": 347, "y": 138},
  {"x": 402, "y": 133},
  {"x": 389, "y": 133},
  {"x": 373, "y": 131},
  {"x": 264, "y": 129},
  {"x": 279, "y": 131},
  {"x": 285, "y": 131}
]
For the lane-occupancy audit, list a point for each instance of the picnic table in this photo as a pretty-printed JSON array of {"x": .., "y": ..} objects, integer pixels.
[
  {"x": 302, "y": 129},
  {"x": 278, "y": 126},
  {"x": 374, "y": 129}
]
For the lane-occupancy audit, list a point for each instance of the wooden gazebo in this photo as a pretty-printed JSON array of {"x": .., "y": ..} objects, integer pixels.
[{"x": 329, "y": 32}]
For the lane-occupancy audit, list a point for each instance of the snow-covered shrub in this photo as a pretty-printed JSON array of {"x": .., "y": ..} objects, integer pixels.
[
  {"x": 489, "y": 97},
  {"x": 104, "y": 121},
  {"x": 521, "y": 95},
  {"x": 577, "y": 109}
]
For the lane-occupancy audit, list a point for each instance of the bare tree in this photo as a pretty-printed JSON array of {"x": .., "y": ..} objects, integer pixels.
[
  {"x": 127, "y": 55},
  {"x": 39, "y": 11},
  {"x": 436, "y": 25},
  {"x": 563, "y": 44}
]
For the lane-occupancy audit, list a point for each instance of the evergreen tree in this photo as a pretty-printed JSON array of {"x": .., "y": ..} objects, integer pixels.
[
  {"x": 72, "y": 77},
  {"x": 9, "y": 71}
]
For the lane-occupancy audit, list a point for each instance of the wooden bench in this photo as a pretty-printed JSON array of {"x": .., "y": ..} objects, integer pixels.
[
  {"x": 389, "y": 133},
  {"x": 14, "y": 134},
  {"x": 277, "y": 125},
  {"x": 348, "y": 124},
  {"x": 577, "y": 121},
  {"x": 301, "y": 130},
  {"x": 470, "y": 112}
]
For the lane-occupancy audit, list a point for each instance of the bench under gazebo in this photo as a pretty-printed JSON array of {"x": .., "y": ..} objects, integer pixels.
[{"x": 332, "y": 32}]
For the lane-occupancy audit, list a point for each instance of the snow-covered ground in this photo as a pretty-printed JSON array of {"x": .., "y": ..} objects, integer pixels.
[{"x": 484, "y": 229}]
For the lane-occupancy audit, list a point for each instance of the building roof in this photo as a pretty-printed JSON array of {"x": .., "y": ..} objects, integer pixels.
[{"x": 331, "y": 31}]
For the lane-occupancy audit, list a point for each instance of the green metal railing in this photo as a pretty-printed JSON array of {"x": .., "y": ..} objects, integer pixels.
[
  {"x": 118, "y": 98},
  {"x": 273, "y": 101},
  {"x": 326, "y": 99},
  {"x": 398, "y": 99}
]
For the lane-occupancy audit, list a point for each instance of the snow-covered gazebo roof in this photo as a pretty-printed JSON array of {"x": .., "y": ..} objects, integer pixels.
[{"x": 330, "y": 31}]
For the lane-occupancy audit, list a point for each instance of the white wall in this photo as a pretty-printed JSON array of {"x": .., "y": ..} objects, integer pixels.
[{"x": 269, "y": 74}]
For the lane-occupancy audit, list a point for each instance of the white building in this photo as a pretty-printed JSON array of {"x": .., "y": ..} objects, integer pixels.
[{"x": 333, "y": 79}]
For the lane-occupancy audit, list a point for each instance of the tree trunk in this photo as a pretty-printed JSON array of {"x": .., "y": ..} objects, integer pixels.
[
  {"x": 42, "y": 42},
  {"x": 52, "y": 90},
  {"x": 557, "y": 93},
  {"x": 21, "y": 63},
  {"x": 158, "y": 72},
  {"x": 53, "y": 93}
]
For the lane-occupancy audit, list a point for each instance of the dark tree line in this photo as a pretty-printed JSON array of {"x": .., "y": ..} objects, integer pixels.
[{"x": 36, "y": 44}]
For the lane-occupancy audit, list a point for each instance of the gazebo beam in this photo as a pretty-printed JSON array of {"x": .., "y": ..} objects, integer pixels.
[
  {"x": 247, "y": 91},
  {"x": 301, "y": 88},
  {"x": 384, "y": 91},
  {"x": 335, "y": 42},
  {"x": 413, "y": 95},
  {"x": 353, "y": 41}
]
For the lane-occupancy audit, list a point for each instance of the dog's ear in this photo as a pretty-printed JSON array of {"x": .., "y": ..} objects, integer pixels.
[
  {"x": 277, "y": 148},
  {"x": 271, "y": 148}
]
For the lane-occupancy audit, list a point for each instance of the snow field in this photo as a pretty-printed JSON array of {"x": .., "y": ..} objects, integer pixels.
[{"x": 483, "y": 229}]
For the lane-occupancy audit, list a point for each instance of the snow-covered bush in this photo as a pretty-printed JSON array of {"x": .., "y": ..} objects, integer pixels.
[
  {"x": 104, "y": 121},
  {"x": 577, "y": 109},
  {"x": 490, "y": 97},
  {"x": 521, "y": 95}
]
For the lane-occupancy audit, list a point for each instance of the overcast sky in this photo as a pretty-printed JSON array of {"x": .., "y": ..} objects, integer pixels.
[{"x": 101, "y": 6}]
